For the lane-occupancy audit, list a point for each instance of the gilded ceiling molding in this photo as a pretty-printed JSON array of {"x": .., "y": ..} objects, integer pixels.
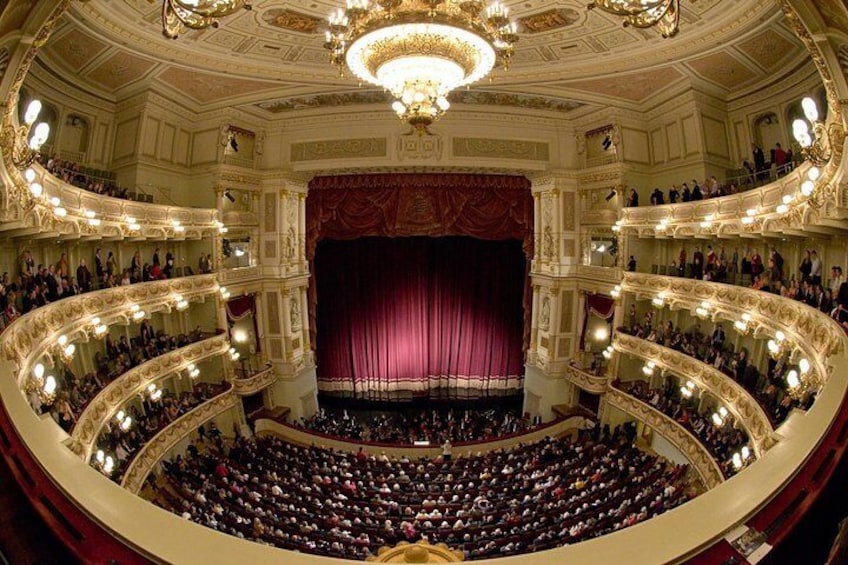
[
  {"x": 812, "y": 332},
  {"x": 159, "y": 445},
  {"x": 255, "y": 383},
  {"x": 587, "y": 381},
  {"x": 116, "y": 394},
  {"x": 739, "y": 402},
  {"x": 31, "y": 334},
  {"x": 695, "y": 451}
]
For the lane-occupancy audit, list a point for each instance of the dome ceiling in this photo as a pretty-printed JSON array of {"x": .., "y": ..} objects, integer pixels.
[{"x": 272, "y": 58}]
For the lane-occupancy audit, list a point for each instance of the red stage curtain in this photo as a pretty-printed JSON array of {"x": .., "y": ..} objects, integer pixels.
[
  {"x": 488, "y": 207},
  {"x": 598, "y": 305},
  {"x": 419, "y": 314}
]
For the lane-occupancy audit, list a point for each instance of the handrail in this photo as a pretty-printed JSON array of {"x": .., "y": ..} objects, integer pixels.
[
  {"x": 309, "y": 437},
  {"x": 694, "y": 450},
  {"x": 152, "y": 452},
  {"x": 107, "y": 402},
  {"x": 738, "y": 401}
]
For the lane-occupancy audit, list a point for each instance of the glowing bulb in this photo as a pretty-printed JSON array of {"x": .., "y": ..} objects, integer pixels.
[
  {"x": 746, "y": 452},
  {"x": 804, "y": 366},
  {"x": 50, "y": 385},
  {"x": 792, "y": 380},
  {"x": 100, "y": 456},
  {"x": 62, "y": 340},
  {"x": 787, "y": 198},
  {"x": 29, "y": 175},
  {"x": 32, "y": 112},
  {"x": 782, "y": 209},
  {"x": 36, "y": 189},
  {"x": 38, "y": 371},
  {"x": 807, "y": 188},
  {"x": 810, "y": 109},
  {"x": 814, "y": 173},
  {"x": 737, "y": 461}
]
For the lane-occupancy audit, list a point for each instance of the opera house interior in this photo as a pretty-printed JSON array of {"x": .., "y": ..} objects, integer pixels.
[{"x": 423, "y": 281}]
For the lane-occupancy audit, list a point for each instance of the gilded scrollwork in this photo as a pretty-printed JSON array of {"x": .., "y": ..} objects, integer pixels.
[{"x": 587, "y": 381}]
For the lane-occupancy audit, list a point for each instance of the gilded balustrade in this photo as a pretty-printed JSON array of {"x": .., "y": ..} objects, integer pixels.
[
  {"x": 811, "y": 332},
  {"x": 596, "y": 384},
  {"x": 28, "y": 337},
  {"x": 154, "y": 450},
  {"x": 109, "y": 400},
  {"x": 695, "y": 451},
  {"x": 738, "y": 401},
  {"x": 255, "y": 383},
  {"x": 91, "y": 214}
]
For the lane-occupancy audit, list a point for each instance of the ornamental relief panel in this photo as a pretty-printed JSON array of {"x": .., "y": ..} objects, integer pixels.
[
  {"x": 339, "y": 149},
  {"x": 270, "y": 223},
  {"x": 500, "y": 149},
  {"x": 694, "y": 450}
]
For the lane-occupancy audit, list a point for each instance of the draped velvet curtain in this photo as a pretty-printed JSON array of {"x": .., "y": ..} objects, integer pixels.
[
  {"x": 419, "y": 314},
  {"x": 241, "y": 307},
  {"x": 485, "y": 207},
  {"x": 598, "y": 305}
]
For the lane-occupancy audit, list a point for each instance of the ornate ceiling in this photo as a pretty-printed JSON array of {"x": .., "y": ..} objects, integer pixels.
[{"x": 272, "y": 59}]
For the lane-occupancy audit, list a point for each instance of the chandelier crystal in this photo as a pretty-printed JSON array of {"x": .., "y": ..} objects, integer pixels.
[
  {"x": 420, "y": 50},
  {"x": 179, "y": 15},
  {"x": 662, "y": 14}
]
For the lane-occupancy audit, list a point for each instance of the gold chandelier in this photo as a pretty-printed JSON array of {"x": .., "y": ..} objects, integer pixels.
[
  {"x": 421, "y": 50},
  {"x": 177, "y": 15},
  {"x": 664, "y": 14}
]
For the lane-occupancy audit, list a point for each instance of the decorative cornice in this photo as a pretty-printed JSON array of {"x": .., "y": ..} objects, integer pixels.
[
  {"x": 116, "y": 394},
  {"x": 738, "y": 401},
  {"x": 255, "y": 383},
  {"x": 37, "y": 330},
  {"x": 695, "y": 451},
  {"x": 153, "y": 451}
]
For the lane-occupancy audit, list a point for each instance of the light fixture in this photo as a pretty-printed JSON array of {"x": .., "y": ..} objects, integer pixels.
[
  {"x": 804, "y": 366},
  {"x": 193, "y": 371},
  {"x": 601, "y": 334},
  {"x": 97, "y": 329},
  {"x": 703, "y": 311},
  {"x": 178, "y": 227},
  {"x": 154, "y": 392},
  {"x": 787, "y": 199},
  {"x": 181, "y": 303},
  {"x": 617, "y": 226},
  {"x": 42, "y": 387},
  {"x": 66, "y": 350},
  {"x": 26, "y": 149},
  {"x": 659, "y": 300},
  {"x": 816, "y": 146},
  {"x": 747, "y": 221},
  {"x": 792, "y": 379},
  {"x": 137, "y": 313},
  {"x": 238, "y": 252},
  {"x": 717, "y": 419},
  {"x": 615, "y": 293},
  {"x": 648, "y": 368},
  {"x": 225, "y": 294},
  {"x": 742, "y": 325},
  {"x": 688, "y": 389},
  {"x": 607, "y": 353},
  {"x": 234, "y": 355},
  {"x": 776, "y": 346},
  {"x": 240, "y": 336},
  {"x": 751, "y": 212},
  {"x": 782, "y": 209},
  {"x": 179, "y": 15},
  {"x": 420, "y": 50},
  {"x": 662, "y": 14},
  {"x": 36, "y": 189}
]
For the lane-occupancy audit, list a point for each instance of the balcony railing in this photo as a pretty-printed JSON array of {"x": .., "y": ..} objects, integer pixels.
[
  {"x": 133, "y": 382},
  {"x": 695, "y": 451},
  {"x": 154, "y": 450},
  {"x": 738, "y": 401}
]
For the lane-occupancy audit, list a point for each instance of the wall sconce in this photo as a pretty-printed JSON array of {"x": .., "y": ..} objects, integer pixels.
[
  {"x": 137, "y": 313},
  {"x": 98, "y": 330},
  {"x": 193, "y": 371},
  {"x": 703, "y": 311},
  {"x": 615, "y": 293},
  {"x": 648, "y": 368},
  {"x": 743, "y": 325},
  {"x": 688, "y": 389},
  {"x": 105, "y": 463},
  {"x": 816, "y": 146},
  {"x": 43, "y": 387},
  {"x": 776, "y": 346},
  {"x": 26, "y": 149},
  {"x": 607, "y": 353},
  {"x": 66, "y": 350},
  {"x": 234, "y": 355},
  {"x": 225, "y": 294}
]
